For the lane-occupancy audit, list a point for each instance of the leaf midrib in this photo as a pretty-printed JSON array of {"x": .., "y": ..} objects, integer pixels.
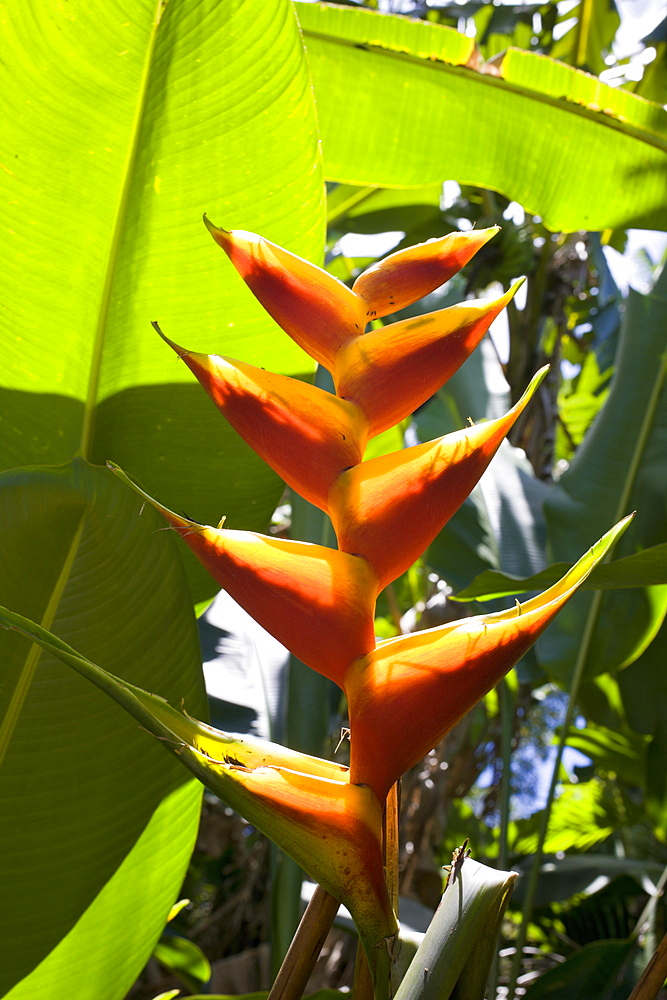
[
  {"x": 88, "y": 423},
  {"x": 22, "y": 688},
  {"x": 491, "y": 80}
]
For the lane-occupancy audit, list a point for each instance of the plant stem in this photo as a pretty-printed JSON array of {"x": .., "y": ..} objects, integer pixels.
[
  {"x": 305, "y": 948},
  {"x": 653, "y": 976},
  {"x": 362, "y": 987},
  {"x": 507, "y": 716}
]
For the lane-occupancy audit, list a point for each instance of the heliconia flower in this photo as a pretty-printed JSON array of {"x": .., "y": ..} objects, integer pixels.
[
  {"x": 410, "y": 691},
  {"x": 390, "y": 508},
  {"x": 318, "y": 311},
  {"x": 307, "y": 806},
  {"x": 391, "y": 371},
  {"x": 317, "y": 601},
  {"x": 305, "y": 434},
  {"x": 407, "y": 275}
]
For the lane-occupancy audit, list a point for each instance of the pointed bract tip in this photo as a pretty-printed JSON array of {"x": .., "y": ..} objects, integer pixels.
[
  {"x": 209, "y": 225},
  {"x": 219, "y": 235},
  {"x": 530, "y": 390},
  {"x": 612, "y": 536},
  {"x": 538, "y": 378},
  {"x": 176, "y": 520},
  {"x": 181, "y": 351}
]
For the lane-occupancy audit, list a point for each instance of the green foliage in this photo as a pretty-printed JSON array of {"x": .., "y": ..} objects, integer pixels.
[
  {"x": 422, "y": 115},
  {"x": 619, "y": 466},
  {"x": 591, "y": 972},
  {"x": 105, "y": 233},
  {"x": 182, "y": 957},
  {"x": 92, "y": 811}
]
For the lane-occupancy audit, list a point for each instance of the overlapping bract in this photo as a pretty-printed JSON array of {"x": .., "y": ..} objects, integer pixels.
[
  {"x": 405, "y": 694},
  {"x": 322, "y": 314}
]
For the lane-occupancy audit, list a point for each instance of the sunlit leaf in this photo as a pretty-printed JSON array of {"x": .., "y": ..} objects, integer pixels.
[
  {"x": 105, "y": 232},
  {"x": 643, "y": 569},
  {"x": 579, "y": 153}
]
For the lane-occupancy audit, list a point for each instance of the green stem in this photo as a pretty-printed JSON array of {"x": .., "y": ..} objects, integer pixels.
[{"x": 507, "y": 717}]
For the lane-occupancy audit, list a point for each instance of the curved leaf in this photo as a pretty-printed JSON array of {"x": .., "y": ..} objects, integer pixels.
[
  {"x": 575, "y": 151},
  {"x": 82, "y": 787},
  {"x": 94, "y": 959},
  {"x": 619, "y": 465},
  {"x": 643, "y": 569},
  {"x": 190, "y": 106},
  {"x": 562, "y": 877}
]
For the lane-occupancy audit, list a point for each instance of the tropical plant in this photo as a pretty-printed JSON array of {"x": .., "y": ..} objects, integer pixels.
[{"x": 404, "y": 694}]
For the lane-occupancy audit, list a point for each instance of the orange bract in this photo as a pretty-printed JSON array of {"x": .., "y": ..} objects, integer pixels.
[
  {"x": 409, "y": 692},
  {"x": 410, "y": 495},
  {"x": 407, "y": 275},
  {"x": 391, "y": 371},
  {"x": 305, "y": 434},
  {"x": 332, "y": 829},
  {"x": 317, "y": 310}
]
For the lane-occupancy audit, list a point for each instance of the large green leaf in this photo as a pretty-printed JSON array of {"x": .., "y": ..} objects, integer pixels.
[
  {"x": 577, "y": 152},
  {"x": 620, "y": 466},
  {"x": 564, "y": 876},
  {"x": 121, "y": 123},
  {"x": 97, "y": 824},
  {"x": 643, "y": 688}
]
